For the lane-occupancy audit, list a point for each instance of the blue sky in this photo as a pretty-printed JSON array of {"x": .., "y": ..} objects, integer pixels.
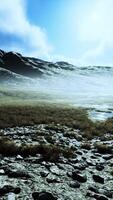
[{"x": 77, "y": 31}]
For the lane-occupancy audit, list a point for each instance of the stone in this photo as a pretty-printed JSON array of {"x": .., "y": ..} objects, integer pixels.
[
  {"x": 43, "y": 196},
  {"x": 79, "y": 152},
  {"x": 55, "y": 170},
  {"x": 107, "y": 157},
  {"x": 98, "y": 179},
  {"x": 80, "y": 166},
  {"x": 74, "y": 184},
  {"x": 19, "y": 157},
  {"x": 89, "y": 194},
  {"x": 2, "y": 172},
  {"x": 79, "y": 177},
  {"x": 8, "y": 188},
  {"x": 11, "y": 196},
  {"x": 44, "y": 174},
  {"x": 73, "y": 160},
  {"x": 93, "y": 189},
  {"x": 69, "y": 174},
  {"x": 100, "y": 197},
  {"x": 106, "y": 192},
  {"x": 52, "y": 180},
  {"x": 17, "y": 174},
  {"x": 99, "y": 167},
  {"x": 93, "y": 157}
]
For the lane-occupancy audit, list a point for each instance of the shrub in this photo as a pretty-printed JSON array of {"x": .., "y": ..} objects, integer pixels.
[
  {"x": 86, "y": 146},
  {"x": 49, "y": 152},
  {"x": 103, "y": 148}
]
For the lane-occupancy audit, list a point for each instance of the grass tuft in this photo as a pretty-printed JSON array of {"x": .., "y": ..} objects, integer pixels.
[
  {"x": 49, "y": 152},
  {"x": 103, "y": 148}
]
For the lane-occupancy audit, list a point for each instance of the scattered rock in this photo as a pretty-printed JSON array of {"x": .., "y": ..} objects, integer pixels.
[
  {"x": 106, "y": 192},
  {"x": 8, "y": 188},
  {"x": 98, "y": 179},
  {"x": 44, "y": 174},
  {"x": 90, "y": 162},
  {"x": 43, "y": 196},
  {"x": 99, "y": 167},
  {"x": 55, "y": 170},
  {"x": 93, "y": 189},
  {"x": 80, "y": 166},
  {"x": 65, "y": 177},
  {"x": 79, "y": 152},
  {"x": 53, "y": 180},
  {"x": 74, "y": 184},
  {"x": 17, "y": 174},
  {"x": 100, "y": 197},
  {"x": 108, "y": 157},
  {"x": 2, "y": 172},
  {"x": 19, "y": 157},
  {"x": 79, "y": 177}
]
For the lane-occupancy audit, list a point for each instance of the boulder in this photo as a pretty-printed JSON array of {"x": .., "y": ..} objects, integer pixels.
[
  {"x": 16, "y": 173},
  {"x": 8, "y": 188},
  {"x": 43, "y": 196},
  {"x": 79, "y": 177},
  {"x": 98, "y": 179},
  {"x": 74, "y": 184},
  {"x": 99, "y": 167},
  {"x": 100, "y": 197}
]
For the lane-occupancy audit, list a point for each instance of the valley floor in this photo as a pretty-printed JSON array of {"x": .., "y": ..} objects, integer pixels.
[
  {"x": 53, "y": 151},
  {"x": 54, "y": 162}
]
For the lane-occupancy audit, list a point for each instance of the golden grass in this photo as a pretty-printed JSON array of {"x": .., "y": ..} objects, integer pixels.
[
  {"x": 29, "y": 115},
  {"x": 18, "y": 115},
  {"x": 103, "y": 148},
  {"x": 21, "y": 108},
  {"x": 49, "y": 152}
]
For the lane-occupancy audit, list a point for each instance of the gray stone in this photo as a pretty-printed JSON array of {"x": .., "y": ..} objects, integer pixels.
[
  {"x": 79, "y": 177},
  {"x": 43, "y": 196},
  {"x": 98, "y": 179}
]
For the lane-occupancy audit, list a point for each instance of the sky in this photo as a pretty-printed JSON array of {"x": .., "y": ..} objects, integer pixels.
[{"x": 76, "y": 31}]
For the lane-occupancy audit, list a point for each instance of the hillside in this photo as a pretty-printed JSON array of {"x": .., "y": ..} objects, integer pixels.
[{"x": 28, "y": 67}]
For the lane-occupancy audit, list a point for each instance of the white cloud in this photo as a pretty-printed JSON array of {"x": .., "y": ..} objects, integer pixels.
[
  {"x": 95, "y": 28},
  {"x": 13, "y": 20}
]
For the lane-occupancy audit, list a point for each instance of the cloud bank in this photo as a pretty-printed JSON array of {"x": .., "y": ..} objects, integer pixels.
[
  {"x": 14, "y": 21},
  {"x": 92, "y": 32},
  {"x": 95, "y": 28}
]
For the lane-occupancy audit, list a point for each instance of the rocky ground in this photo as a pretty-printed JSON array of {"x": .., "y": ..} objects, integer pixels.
[{"x": 88, "y": 174}]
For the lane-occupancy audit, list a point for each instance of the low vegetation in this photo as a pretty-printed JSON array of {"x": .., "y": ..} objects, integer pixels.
[
  {"x": 49, "y": 152},
  {"x": 86, "y": 146},
  {"x": 29, "y": 108},
  {"x": 103, "y": 148},
  {"x": 11, "y": 116}
]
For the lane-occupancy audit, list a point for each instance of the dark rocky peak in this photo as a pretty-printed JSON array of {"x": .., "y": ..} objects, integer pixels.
[
  {"x": 16, "y": 63},
  {"x": 12, "y": 58},
  {"x": 31, "y": 67},
  {"x": 2, "y": 53}
]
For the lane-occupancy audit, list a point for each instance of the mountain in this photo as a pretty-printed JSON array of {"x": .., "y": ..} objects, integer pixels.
[
  {"x": 7, "y": 76},
  {"x": 18, "y": 69},
  {"x": 14, "y": 65}
]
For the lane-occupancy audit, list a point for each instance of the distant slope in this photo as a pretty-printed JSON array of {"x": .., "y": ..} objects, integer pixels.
[
  {"x": 16, "y": 68},
  {"x": 30, "y": 67},
  {"x": 7, "y": 76}
]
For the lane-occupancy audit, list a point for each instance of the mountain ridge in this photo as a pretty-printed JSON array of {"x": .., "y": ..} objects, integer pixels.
[
  {"x": 28, "y": 66},
  {"x": 15, "y": 67}
]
